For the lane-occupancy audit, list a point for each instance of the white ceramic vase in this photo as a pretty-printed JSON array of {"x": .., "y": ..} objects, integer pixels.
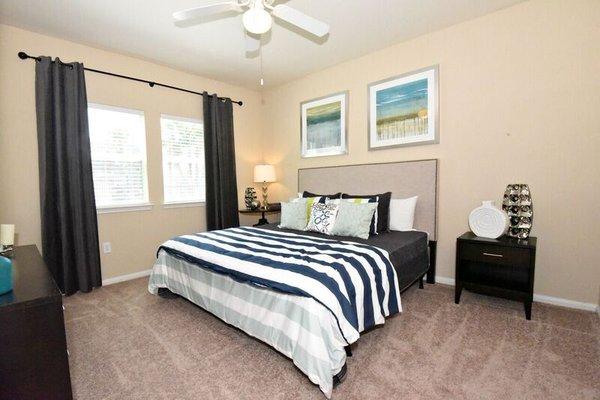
[{"x": 488, "y": 221}]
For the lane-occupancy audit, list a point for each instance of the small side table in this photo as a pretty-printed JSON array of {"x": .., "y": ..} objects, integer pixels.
[
  {"x": 272, "y": 209},
  {"x": 503, "y": 267}
]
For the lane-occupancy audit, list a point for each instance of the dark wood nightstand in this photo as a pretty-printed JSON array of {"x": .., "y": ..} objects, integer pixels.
[
  {"x": 503, "y": 267},
  {"x": 272, "y": 209}
]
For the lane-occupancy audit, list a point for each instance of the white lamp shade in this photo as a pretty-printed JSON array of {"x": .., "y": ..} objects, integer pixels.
[
  {"x": 7, "y": 235},
  {"x": 264, "y": 173}
]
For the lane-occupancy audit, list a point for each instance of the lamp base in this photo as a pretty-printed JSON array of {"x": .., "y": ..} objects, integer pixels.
[
  {"x": 7, "y": 251},
  {"x": 265, "y": 203}
]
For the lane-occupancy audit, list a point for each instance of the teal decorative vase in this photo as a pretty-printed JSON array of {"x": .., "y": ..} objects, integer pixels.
[{"x": 6, "y": 278}]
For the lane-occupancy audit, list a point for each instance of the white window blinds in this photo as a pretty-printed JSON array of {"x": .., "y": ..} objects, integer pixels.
[
  {"x": 118, "y": 142},
  {"x": 183, "y": 159}
]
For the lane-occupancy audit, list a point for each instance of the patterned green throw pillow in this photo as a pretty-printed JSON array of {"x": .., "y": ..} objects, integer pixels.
[
  {"x": 354, "y": 219},
  {"x": 293, "y": 215},
  {"x": 322, "y": 218}
]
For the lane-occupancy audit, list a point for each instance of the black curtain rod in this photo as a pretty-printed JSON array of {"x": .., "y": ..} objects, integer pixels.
[{"x": 24, "y": 56}]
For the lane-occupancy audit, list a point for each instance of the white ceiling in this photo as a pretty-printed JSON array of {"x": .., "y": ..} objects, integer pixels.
[{"x": 215, "y": 49}]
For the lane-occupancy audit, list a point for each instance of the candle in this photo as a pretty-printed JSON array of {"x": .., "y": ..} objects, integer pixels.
[{"x": 7, "y": 235}]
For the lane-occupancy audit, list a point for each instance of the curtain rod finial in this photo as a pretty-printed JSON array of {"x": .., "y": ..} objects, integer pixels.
[{"x": 22, "y": 55}]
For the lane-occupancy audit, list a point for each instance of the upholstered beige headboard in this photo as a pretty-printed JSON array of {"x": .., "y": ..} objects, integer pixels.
[{"x": 404, "y": 179}]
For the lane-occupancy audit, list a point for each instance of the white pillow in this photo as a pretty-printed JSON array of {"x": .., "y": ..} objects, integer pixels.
[
  {"x": 310, "y": 200},
  {"x": 402, "y": 213}
]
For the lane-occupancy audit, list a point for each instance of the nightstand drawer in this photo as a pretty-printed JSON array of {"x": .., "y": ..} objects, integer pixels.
[{"x": 495, "y": 254}]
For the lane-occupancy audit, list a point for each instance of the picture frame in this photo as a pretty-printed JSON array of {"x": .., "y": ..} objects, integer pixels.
[
  {"x": 323, "y": 125},
  {"x": 404, "y": 110}
]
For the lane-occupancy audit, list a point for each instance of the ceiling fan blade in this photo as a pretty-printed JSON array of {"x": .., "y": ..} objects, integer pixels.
[
  {"x": 252, "y": 42},
  {"x": 206, "y": 11},
  {"x": 301, "y": 20}
]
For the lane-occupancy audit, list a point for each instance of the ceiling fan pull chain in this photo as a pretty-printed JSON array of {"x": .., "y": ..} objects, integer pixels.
[{"x": 262, "y": 80}]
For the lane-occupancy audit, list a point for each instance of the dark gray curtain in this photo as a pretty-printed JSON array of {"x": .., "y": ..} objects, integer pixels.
[
  {"x": 219, "y": 148},
  {"x": 68, "y": 207}
]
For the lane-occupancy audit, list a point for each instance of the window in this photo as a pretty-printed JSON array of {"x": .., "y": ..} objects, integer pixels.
[
  {"x": 118, "y": 141},
  {"x": 183, "y": 159}
]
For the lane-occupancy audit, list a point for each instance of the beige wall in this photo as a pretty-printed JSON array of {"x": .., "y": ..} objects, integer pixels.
[
  {"x": 520, "y": 102},
  {"x": 134, "y": 235}
]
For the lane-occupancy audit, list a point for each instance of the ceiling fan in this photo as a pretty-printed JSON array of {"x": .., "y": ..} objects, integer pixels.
[{"x": 257, "y": 18}]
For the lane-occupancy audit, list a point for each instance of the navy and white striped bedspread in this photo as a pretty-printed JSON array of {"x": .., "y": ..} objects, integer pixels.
[{"x": 356, "y": 282}]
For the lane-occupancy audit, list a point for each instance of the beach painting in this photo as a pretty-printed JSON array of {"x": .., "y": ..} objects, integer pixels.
[
  {"x": 323, "y": 125},
  {"x": 403, "y": 110}
]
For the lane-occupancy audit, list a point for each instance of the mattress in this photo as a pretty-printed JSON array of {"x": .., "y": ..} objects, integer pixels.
[{"x": 408, "y": 251}]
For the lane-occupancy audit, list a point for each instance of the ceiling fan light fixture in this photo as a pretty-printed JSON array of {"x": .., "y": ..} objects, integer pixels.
[{"x": 257, "y": 20}]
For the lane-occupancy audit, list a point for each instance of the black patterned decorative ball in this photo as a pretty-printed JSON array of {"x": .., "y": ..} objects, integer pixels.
[
  {"x": 518, "y": 205},
  {"x": 250, "y": 198}
]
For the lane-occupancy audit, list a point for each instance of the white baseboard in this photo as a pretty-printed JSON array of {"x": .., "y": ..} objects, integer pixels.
[
  {"x": 557, "y": 301},
  {"x": 540, "y": 298},
  {"x": 443, "y": 280},
  {"x": 128, "y": 277}
]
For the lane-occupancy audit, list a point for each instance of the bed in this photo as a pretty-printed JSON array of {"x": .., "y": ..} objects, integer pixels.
[{"x": 296, "y": 298}]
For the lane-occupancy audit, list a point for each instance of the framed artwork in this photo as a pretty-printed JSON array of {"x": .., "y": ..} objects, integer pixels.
[
  {"x": 403, "y": 111},
  {"x": 323, "y": 125}
]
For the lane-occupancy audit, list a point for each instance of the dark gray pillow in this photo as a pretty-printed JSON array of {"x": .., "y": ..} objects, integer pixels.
[{"x": 331, "y": 196}]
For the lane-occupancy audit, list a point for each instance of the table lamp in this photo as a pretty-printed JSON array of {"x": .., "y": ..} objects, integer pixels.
[
  {"x": 7, "y": 237},
  {"x": 265, "y": 174}
]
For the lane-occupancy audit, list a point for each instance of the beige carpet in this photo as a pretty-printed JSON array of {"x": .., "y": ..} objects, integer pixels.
[{"x": 128, "y": 344}]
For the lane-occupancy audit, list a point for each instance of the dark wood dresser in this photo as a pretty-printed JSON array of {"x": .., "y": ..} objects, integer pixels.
[
  {"x": 33, "y": 349},
  {"x": 503, "y": 267}
]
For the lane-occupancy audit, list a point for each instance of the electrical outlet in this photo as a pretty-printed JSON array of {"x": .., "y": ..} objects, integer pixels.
[{"x": 106, "y": 247}]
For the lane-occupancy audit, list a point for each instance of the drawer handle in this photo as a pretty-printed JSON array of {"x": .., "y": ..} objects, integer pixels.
[{"x": 493, "y": 255}]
